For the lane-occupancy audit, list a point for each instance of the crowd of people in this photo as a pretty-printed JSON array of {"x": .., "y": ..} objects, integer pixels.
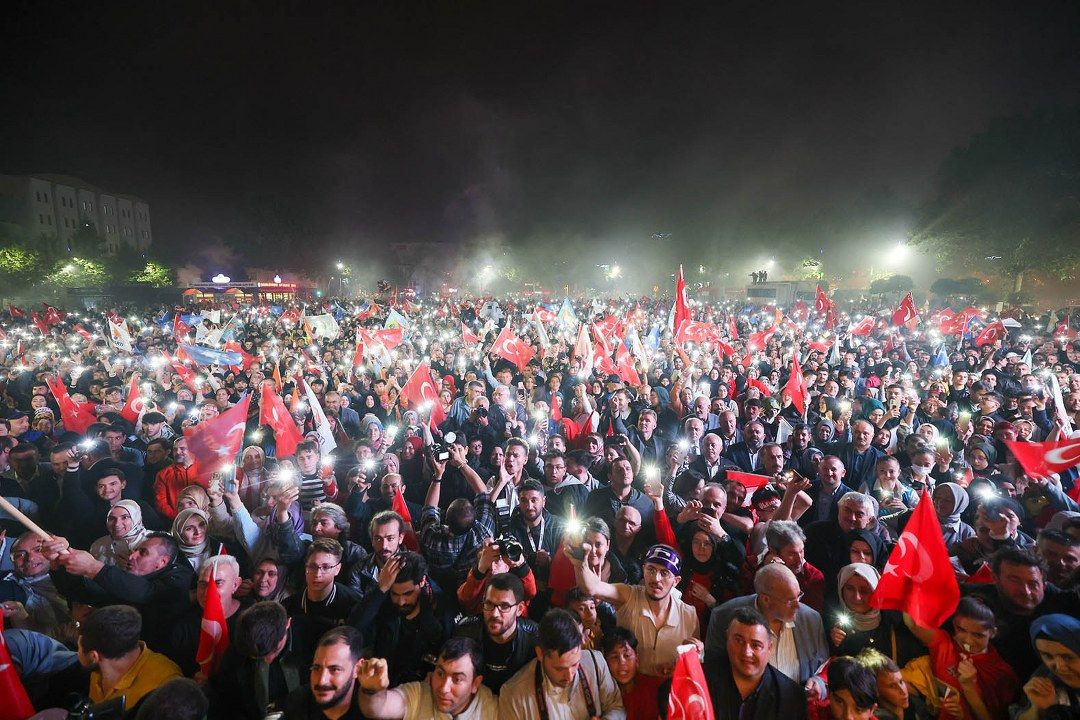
[{"x": 536, "y": 539}]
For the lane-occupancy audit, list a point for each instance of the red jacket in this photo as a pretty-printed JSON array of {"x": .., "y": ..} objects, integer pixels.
[
  {"x": 169, "y": 482},
  {"x": 471, "y": 592}
]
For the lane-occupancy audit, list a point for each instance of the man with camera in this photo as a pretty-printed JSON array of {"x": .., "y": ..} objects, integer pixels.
[
  {"x": 538, "y": 531},
  {"x": 500, "y": 555},
  {"x": 507, "y": 639}
]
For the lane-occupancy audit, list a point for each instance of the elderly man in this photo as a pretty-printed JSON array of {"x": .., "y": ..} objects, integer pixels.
[
  {"x": 858, "y": 455},
  {"x": 29, "y": 598},
  {"x": 659, "y": 620},
  {"x": 740, "y": 678},
  {"x": 826, "y": 540},
  {"x": 184, "y": 643},
  {"x": 800, "y": 635},
  {"x": 711, "y": 463}
]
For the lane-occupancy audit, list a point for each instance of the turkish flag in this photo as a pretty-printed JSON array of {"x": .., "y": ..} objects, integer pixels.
[
  {"x": 135, "y": 404},
  {"x": 180, "y": 328},
  {"x": 682, "y": 307},
  {"x": 602, "y": 347},
  {"x": 918, "y": 577},
  {"x": 543, "y": 314},
  {"x": 82, "y": 331},
  {"x": 16, "y": 704},
  {"x": 624, "y": 367},
  {"x": 398, "y": 505},
  {"x": 16, "y": 312},
  {"x": 420, "y": 390},
  {"x": 369, "y": 312},
  {"x": 796, "y": 385},
  {"x": 750, "y": 481},
  {"x": 760, "y": 339},
  {"x": 990, "y": 334},
  {"x": 510, "y": 346},
  {"x": 52, "y": 315},
  {"x": 186, "y": 374},
  {"x": 39, "y": 323},
  {"x": 760, "y": 385},
  {"x": 983, "y": 576},
  {"x": 468, "y": 336},
  {"x": 864, "y": 326},
  {"x": 76, "y": 416},
  {"x": 216, "y": 443},
  {"x": 689, "y": 697},
  {"x": 233, "y": 346},
  {"x": 821, "y": 302},
  {"x": 213, "y": 633},
  {"x": 906, "y": 312},
  {"x": 694, "y": 331},
  {"x": 732, "y": 328},
  {"x": 390, "y": 338},
  {"x": 1039, "y": 459},
  {"x": 272, "y": 413}
]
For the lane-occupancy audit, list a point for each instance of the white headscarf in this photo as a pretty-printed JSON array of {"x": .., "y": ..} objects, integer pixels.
[
  {"x": 864, "y": 622},
  {"x": 137, "y": 533}
]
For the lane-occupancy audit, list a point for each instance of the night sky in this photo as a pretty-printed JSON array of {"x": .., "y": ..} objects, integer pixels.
[{"x": 551, "y": 127}]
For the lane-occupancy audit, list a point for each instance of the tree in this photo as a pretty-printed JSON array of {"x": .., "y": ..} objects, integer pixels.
[
  {"x": 892, "y": 284},
  {"x": 86, "y": 243},
  {"x": 947, "y": 287},
  {"x": 154, "y": 274},
  {"x": 19, "y": 267},
  {"x": 1010, "y": 200},
  {"x": 78, "y": 272},
  {"x": 810, "y": 269}
]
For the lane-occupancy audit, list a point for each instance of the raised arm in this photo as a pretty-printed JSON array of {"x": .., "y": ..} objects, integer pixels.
[
  {"x": 377, "y": 700},
  {"x": 590, "y": 582}
]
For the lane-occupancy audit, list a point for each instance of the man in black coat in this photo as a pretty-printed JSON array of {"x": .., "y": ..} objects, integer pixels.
[
  {"x": 741, "y": 681},
  {"x": 507, "y": 639},
  {"x": 157, "y": 582}
]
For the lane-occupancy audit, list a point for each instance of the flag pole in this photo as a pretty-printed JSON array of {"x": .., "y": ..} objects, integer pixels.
[{"x": 26, "y": 522}]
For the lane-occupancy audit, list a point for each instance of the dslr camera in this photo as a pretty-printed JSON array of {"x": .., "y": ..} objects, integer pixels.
[
  {"x": 440, "y": 451},
  {"x": 509, "y": 547}
]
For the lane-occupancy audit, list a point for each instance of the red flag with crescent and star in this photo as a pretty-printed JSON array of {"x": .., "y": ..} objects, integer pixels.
[
  {"x": 213, "y": 632},
  {"x": 420, "y": 390},
  {"x": 272, "y": 412},
  {"x": 1039, "y": 459},
  {"x": 216, "y": 443},
  {"x": 511, "y": 347},
  {"x": 918, "y": 578},
  {"x": 689, "y": 698}
]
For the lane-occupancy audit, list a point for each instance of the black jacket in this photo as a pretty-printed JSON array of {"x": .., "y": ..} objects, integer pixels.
[
  {"x": 162, "y": 597},
  {"x": 409, "y": 647},
  {"x": 291, "y": 551},
  {"x": 237, "y": 692},
  {"x": 778, "y": 696},
  {"x": 523, "y": 643}
]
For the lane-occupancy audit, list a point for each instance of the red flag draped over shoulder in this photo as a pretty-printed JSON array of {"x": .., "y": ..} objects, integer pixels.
[
  {"x": 272, "y": 412},
  {"x": 918, "y": 577}
]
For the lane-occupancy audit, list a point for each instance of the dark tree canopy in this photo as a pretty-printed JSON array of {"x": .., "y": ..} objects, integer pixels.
[{"x": 1009, "y": 202}]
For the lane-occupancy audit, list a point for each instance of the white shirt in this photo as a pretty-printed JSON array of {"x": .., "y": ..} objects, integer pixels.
[
  {"x": 420, "y": 704},
  {"x": 657, "y": 646},
  {"x": 786, "y": 656},
  {"x": 517, "y": 698}
]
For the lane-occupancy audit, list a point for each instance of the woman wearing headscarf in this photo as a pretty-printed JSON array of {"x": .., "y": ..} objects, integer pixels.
[
  {"x": 710, "y": 575},
  {"x": 190, "y": 530},
  {"x": 950, "y": 500},
  {"x": 866, "y": 546},
  {"x": 124, "y": 524},
  {"x": 856, "y": 625},
  {"x": 252, "y": 477},
  {"x": 1053, "y": 692}
]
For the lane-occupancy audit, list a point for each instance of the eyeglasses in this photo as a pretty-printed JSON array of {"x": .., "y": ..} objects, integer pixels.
[
  {"x": 787, "y": 601},
  {"x": 313, "y": 568},
  {"x": 501, "y": 608}
]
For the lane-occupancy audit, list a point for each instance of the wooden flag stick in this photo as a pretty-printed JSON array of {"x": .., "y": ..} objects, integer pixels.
[{"x": 21, "y": 517}]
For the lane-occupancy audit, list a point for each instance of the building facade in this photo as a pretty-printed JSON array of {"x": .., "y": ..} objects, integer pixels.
[{"x": 53, "y": 208}]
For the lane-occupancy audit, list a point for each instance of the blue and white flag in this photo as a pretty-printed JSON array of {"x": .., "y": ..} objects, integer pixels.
[{"x": 209, "y": 356}]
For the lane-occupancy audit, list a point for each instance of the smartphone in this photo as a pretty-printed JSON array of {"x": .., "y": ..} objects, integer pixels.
[{"x": 576, "y": 552}]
